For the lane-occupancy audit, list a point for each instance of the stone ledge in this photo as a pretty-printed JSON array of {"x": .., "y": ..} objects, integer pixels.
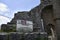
[{"x": 56, "y": 19}]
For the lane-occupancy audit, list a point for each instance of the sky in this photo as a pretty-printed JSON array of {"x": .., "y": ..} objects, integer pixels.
[{"x": 9, "y": 7}]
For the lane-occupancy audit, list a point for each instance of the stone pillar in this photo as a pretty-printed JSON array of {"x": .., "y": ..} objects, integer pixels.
[{"x": 56, "y": 7}]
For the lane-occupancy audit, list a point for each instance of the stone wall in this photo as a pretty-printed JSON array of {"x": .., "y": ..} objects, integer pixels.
[
  {"x": 17, "y": 16},
  {"x": 20, "y": 16},
  {"x": 22, "y": 36},
  {"x": 4, "y": 27},
  {"x": 3, "y": 36},
  {"x": 56, "y": 7},
  {"x": 36, "y": 14}
]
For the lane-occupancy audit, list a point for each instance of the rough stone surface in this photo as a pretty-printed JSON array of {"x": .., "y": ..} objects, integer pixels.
[
  {"x": 49, "y": 11},
  {"x": 21, "y": 36},
  {"x": 3, "y": 36}
]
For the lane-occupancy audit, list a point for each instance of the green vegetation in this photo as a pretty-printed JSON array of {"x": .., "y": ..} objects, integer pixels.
[
  {"x": 1, "y": 30},
  {"x": 13, "y": 29},
  {"x": 41, "y": 38},
  {"x": 38, "y": 38},
  {"x": 10, "y": 29}
]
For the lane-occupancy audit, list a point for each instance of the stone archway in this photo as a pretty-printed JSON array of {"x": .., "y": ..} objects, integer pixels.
[
  {"x": 50, "y": 29},
  {"x": 48, "y": 16}
]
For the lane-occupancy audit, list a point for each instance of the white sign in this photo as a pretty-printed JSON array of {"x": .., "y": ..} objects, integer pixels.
[{"x": 24, "y": 25}]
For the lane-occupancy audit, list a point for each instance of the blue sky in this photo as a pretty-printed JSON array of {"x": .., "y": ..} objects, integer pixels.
[
  {"x": 21, "y": 4},
  {"x": 9, "y": 7}
]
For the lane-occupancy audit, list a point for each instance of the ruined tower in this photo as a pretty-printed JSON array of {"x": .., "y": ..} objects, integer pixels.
[{"x": 50, "y": 13}]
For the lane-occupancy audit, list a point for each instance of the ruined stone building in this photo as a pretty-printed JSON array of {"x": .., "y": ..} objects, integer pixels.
[{"x": 49, "y": 12}]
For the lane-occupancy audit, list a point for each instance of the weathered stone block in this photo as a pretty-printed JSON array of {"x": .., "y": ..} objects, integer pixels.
[{"x": 3, "y": 36}]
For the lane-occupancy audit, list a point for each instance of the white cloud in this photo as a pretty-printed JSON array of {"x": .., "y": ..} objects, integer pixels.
[
  {"x": 4, "y": 10},
  {"x": 3, "y": 7},
  {"x": 4, "y": 20}
]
